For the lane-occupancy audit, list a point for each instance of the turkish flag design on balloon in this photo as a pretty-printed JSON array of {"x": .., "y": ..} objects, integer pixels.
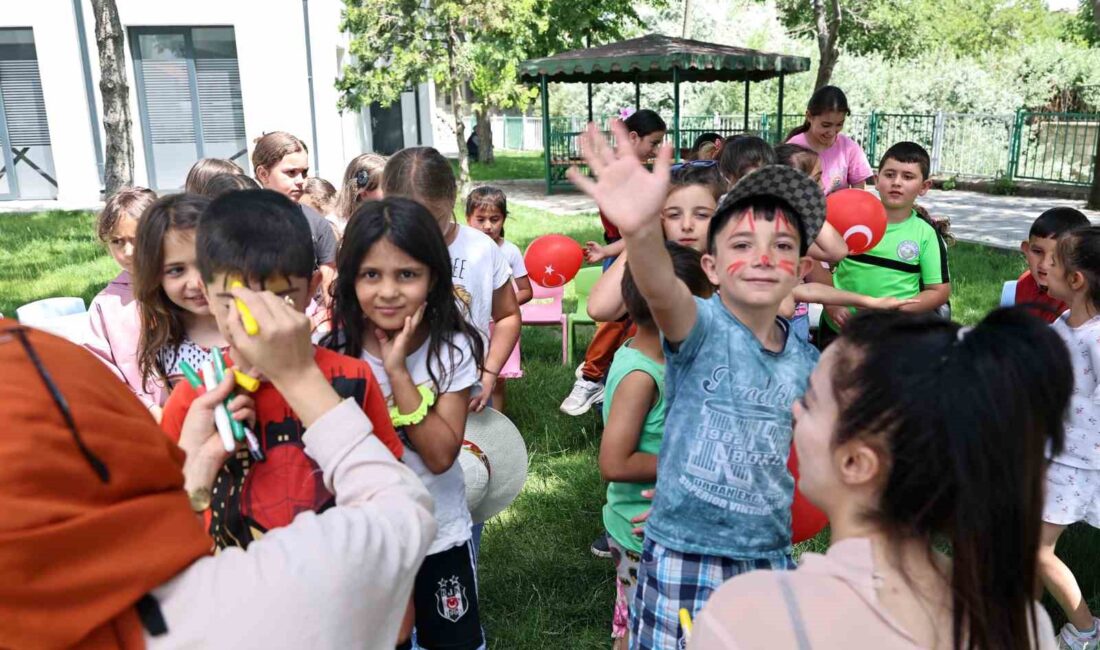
[
  {"x": 806, "y": 520},
  {"x": 553, "y": 260},
  {"x": 858, "y": 216}
]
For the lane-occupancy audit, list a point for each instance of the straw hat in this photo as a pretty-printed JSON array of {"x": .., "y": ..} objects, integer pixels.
[{"x": 494, "y": 461}]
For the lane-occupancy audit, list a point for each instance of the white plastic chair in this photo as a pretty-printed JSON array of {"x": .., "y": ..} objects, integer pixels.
[{"x": 66, "y": 317}]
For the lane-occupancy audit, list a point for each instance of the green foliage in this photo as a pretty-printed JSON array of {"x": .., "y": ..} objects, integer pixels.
[
  {"x": 1083, "y": 26},
  {"x": 1003, "y": 185},
  {"x": 950, "y": 183},
  {"x": 904, "y": 29},
  {"x": 508, "y": 165}
]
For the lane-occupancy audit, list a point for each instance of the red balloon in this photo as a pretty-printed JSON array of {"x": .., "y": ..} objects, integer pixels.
[
  {"x": 806, "y": 520},
  {"x": 553, "y": 260},
  {"x": 858, "y": 216}
]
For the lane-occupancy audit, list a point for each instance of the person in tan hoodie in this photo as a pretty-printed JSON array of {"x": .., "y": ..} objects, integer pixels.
[
  {"x": 101, "y": 549},
  {"x": 915, "y": 432}
]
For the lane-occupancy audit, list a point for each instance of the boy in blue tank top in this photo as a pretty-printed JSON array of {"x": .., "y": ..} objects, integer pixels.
[{"x": 722, "y": 505}]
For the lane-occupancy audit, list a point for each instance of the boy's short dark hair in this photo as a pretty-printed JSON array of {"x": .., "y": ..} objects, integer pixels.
[
  {"x": 686, "y": 264},
  {"x": 258, "y": 233},
  {"x": 705, "y": 175},
  {"x": 1056, "y": 222},
  {"x": 909, "y": 152}
]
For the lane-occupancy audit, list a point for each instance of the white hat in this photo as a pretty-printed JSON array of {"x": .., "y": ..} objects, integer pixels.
[{"x": 494, "y": 461}]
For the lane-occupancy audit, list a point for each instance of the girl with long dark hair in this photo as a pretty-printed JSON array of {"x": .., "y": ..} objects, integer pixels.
[
  {"x": 394, "y": 307},
  {"x": 843, "y": 162}
]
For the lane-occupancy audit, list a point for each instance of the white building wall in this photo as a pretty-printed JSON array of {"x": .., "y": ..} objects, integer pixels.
[{"x": 271, "y": 54}]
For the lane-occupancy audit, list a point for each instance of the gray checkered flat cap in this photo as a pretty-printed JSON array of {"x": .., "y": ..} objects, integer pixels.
[{"x": 790, "y": 186}]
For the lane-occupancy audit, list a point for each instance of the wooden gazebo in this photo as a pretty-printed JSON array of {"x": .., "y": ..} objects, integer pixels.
[{"x": 649, "y": 59}]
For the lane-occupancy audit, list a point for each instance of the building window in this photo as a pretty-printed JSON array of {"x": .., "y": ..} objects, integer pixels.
[
  {"x": 189, "y": 95},
  {"x": 27, "y": 170}
]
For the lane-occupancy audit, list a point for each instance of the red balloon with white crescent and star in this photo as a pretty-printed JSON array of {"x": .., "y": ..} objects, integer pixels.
[
  {"x": 553, "y": 260},
  {"x": 858, "y": 216}
]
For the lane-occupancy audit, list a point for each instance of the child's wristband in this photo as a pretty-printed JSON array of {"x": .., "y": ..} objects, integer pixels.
[{"x": 427, "y": 399}]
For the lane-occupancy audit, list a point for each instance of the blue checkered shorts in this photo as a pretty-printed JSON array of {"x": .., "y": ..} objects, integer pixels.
[{"x": 669, "y": 581}]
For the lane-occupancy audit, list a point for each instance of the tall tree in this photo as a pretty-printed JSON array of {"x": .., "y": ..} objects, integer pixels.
[
  {"x": 548, "y": 27},
  {"x": 827, "y": 28},
  {"x": 109, "y": 38},
  {"x": 400, "y": 43}
]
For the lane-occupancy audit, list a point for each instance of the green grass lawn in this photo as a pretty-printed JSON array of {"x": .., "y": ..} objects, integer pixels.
[
  {"x": 508, "y": 165},
  {"x": 541, "y": 587}
]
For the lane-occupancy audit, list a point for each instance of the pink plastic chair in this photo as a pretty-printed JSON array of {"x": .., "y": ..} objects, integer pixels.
[{"x": 545, "y": 308}]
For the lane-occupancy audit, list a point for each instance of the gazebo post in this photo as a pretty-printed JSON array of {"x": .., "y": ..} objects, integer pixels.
[
  {"x": 590, "y": 119},
  {"x": 779, "y": 118},
  {"x": 745, "y": 126},
  {"x": 544, "y": 94},
  {"x": 676, "y": 112},
  {"x": 637, "y": 93}
]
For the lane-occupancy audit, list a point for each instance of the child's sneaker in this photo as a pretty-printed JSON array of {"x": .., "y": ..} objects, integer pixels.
[
  {"x": 600, "y": 547},
  {"x": 584, "y": 394},
  {"x": 1070, "y": 638}
]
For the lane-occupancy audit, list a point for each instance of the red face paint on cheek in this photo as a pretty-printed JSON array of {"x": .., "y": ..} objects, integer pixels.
[
  {"x": 786, "y": 266},
  {"x": 734, "y": 268}
]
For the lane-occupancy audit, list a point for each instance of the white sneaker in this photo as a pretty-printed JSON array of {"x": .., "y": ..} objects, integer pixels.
[
  {"x": 1070, "y": 638},
  {"x": 579, "y": 374},
  {"x": 584, "y": 394}
]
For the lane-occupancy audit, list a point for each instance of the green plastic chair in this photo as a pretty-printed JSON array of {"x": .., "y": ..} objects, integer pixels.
[{"x": 582, "y": 286}]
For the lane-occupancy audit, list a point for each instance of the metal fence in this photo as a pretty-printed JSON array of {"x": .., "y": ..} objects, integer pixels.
[{"x": 1025, "y": 145}]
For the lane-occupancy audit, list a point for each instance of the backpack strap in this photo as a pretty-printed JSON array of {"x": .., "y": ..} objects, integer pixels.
[{"x": 797, "y": 623}]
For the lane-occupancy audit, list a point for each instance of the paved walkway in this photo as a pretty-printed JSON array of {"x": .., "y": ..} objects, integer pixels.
[{"x": 1001, "y": 221}]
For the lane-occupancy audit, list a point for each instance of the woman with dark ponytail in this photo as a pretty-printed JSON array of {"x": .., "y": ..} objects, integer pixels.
[
  {"x": 915, "y": 432},
  {"x": 843, "y": 162}
]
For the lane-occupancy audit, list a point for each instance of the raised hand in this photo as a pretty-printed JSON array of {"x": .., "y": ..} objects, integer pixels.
[{"x": 629, "y": 195}]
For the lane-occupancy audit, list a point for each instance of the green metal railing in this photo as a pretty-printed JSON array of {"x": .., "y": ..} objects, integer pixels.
[{"x": 1027, "y": 145}]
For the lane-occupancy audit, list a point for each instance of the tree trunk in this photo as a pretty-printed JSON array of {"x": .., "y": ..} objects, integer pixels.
[
  {"x": 109, "y": 38},
  {"x": 1094, "y": 191},
  {"x": 455, "y": 88},
  {"x": 484, "y": 130},
  {"x": 687, "y": 14},
  {"x": 827, "y": 26}
]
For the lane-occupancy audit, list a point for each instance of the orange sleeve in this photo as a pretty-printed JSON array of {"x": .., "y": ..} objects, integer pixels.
[
  {"x": 175, "y": 410},
  {"x": 374, "y": 405}
]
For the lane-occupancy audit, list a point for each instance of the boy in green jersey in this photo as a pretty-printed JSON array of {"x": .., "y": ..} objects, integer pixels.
[{"x": 911, "y": 260}]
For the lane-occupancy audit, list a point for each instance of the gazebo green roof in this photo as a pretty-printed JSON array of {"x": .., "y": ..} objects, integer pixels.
[{"x": 652, "y": 59}]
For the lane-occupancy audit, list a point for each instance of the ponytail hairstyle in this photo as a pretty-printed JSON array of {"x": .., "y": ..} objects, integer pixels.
[
  {"x": 643, "y": 122},
  {"x": 425, "y": 176},
  {"x": 826, "y": 99},
  {"x": 1079, "y": 252},
  {"x": 272, "y": 147},
  {"x": 962, "y": 424},
  {"x": 487, "y": 196},
  {"x": 206, "y": 169},
  {"x": 742, "y": 154},
  {"x": 162, "y": 323},
  {"x": 410, "y": 227},
  {"x": 127, "y": 202},
  {"x": 363, "y": 173}
]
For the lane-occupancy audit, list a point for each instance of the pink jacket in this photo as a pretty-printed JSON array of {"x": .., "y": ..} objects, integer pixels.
[
  {"x": 116, "y": 332},
  {"x": 833, "y": 597}
]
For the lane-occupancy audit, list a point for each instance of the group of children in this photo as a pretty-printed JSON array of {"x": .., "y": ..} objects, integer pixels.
[
  {"x": 418, "y": 323},
  {"x": 701, "y": 353},
  {"x": 708, "y": 343}
]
